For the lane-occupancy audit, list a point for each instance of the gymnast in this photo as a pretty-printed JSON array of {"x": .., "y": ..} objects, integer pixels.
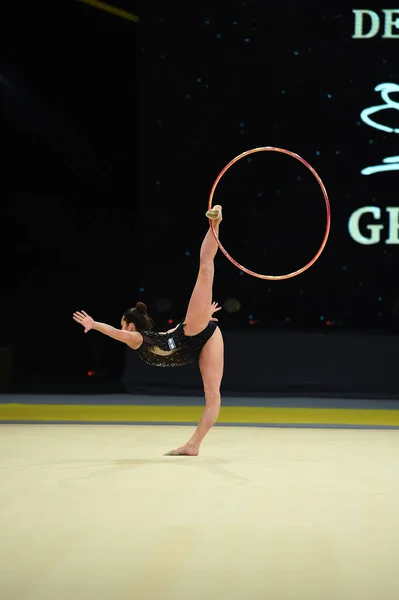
[{"x": 197, "y": 339}]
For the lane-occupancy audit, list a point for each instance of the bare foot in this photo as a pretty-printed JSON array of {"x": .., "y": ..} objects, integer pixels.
[
  {"x": 185, "y": 450},
  {"x": 215, "y": 213}
]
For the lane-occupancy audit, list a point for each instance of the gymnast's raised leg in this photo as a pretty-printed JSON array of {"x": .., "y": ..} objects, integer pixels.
[{"x": 212, "y": 355}]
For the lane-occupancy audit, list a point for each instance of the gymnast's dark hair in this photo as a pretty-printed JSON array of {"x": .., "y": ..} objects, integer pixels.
[{"x": 139, "y": 316}]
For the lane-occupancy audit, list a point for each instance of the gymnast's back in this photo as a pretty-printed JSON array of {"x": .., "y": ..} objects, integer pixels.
[{"x": 173, "y": 349}]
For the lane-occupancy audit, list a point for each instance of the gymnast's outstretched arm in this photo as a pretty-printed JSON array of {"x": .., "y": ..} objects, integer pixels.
[{"x": 133, "y": 339}]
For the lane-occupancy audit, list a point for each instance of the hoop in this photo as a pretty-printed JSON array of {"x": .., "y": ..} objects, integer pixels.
[{"x": 328, "y": 210}]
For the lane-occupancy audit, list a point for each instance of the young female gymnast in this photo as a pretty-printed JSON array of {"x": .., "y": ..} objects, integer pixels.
[{"x": 196, "y": 339}]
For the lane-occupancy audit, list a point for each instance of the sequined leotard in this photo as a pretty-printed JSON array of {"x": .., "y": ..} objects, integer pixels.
[{"x": 179, "y": 348}]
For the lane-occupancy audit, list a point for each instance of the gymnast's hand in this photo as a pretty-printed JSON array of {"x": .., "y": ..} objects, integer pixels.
[
  {"x": 214, "y": 308},
  {"x": 84, "y": 319}
]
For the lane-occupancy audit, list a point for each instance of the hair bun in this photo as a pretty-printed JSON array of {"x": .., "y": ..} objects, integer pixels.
[{"x": 141, "y": 308}]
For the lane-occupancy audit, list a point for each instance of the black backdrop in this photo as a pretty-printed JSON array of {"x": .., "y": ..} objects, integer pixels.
[
  {"x": 69, "y": 139},
  {"x": 219, "y": 80},
  {"x": 111, "y": 129}
]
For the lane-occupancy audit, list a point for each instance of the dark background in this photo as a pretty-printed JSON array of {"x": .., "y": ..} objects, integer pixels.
[
  {"x": 69, "y": 132},
  {"x": 112, "y": 134},
  {"x": 222, "y": 81}
]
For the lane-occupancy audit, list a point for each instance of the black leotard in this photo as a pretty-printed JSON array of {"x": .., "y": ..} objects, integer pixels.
[{"x": 184, "y": 349}]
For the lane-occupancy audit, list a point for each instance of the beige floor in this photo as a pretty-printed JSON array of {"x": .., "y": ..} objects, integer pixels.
[{"x": 97, "y": 513}]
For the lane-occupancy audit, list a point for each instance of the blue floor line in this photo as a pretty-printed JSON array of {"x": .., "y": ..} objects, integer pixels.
[
  {"x": 130, "y": 400},
  {"x": 194, "y": 424}
]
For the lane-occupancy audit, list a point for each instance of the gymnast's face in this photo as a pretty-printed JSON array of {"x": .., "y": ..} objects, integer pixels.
[{"x": 127, "y": 326}]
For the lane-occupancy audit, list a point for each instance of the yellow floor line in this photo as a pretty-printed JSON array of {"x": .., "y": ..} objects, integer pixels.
[{"x": 189, "y": 414}]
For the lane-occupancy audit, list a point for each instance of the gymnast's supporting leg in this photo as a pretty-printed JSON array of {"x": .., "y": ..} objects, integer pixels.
[{"x": 211, "y": 366}]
